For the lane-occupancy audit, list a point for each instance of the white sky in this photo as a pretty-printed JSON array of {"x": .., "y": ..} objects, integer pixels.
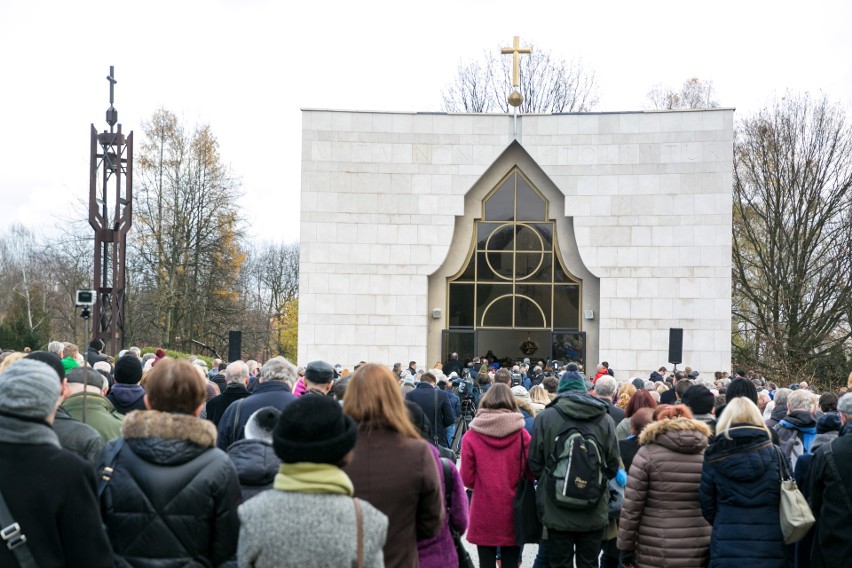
[{"x": 246, "y": 67}]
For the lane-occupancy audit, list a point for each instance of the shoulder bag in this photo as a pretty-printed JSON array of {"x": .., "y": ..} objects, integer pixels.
[
  {"x": 465, "y": 560},
  {"x": 359, "y": 520},
  {"x": 443, "y": 451},
  {"x": 109, "y": 465},
  {"x": 527, "y": 524},
  {"x": 14, "y": 538},
  {"x": 832, "y": 465},
  {"x": 795, "y": 514}
]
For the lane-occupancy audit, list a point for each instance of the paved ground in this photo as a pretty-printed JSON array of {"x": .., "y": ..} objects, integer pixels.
[{"x": 530, "y": 551}]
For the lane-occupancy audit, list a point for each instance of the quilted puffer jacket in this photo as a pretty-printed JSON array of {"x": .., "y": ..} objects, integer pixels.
[
  {"x": 739, "y": 496},
  {"x": 661, "y": 517},
  {"x": 172, "y": 501}
]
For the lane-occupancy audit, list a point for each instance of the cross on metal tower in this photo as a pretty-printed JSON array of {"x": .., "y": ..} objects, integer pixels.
[{"x": 110, "y": 215}]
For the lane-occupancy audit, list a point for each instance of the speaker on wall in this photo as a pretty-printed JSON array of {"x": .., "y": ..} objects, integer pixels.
[
  {"x": 235, "y": 349},
  {"x": 675, "y": 345}
]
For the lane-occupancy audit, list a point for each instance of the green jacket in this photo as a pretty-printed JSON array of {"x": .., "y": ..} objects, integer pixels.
[
  {"x": 100, "y": 414},
  {"x": 591, "y": 416}
]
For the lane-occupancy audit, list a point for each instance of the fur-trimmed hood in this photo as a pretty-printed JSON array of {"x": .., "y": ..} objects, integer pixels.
[
  {"x": 167, "y": 438},
  {"x": 682, "y": 435}
]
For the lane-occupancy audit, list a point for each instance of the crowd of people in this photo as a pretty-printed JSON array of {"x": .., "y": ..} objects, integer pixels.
[{"x": 149, "y": 461}]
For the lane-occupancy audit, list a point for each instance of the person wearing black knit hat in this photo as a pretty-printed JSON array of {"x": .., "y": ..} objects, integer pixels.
[
  {"x": 310, "y": 517},
  {"x": 94, "y": 352},
  {"x": 701, "y": 401},
  {"x": 126, "y": 395}
]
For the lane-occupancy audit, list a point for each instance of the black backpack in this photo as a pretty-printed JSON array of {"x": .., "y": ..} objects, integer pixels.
[{"x": 575, "y": 467}]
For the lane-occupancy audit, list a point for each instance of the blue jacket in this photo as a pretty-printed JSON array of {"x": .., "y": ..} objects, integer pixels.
[
  {"x": 528, "y": 421},
  {"x": 739, "y": 495},
  {"x": 271, "y": 393}
]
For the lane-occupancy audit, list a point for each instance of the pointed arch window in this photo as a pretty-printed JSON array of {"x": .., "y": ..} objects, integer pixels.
[{"x": 514, "y": 277}]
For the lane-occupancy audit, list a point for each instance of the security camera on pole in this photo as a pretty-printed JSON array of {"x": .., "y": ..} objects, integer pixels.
[{"x": 85, "y": 299}]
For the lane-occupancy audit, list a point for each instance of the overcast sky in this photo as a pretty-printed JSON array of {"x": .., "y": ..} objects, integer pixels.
[{"x": 246, "y": 67}]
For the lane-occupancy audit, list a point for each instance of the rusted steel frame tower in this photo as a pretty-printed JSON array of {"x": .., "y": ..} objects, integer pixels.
[{"x": 110, "y": 182}]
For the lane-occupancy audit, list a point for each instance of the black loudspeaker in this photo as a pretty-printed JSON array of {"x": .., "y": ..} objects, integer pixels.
[
  {"x": 675, "y": 345},
  {"x": 235, "y": 345}
]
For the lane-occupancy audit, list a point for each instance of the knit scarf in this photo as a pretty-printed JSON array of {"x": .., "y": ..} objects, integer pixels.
[
  {"x": 15, "y": 431},
  {"x": 497, "y": 423},
  {"x": 307, "y": 477}
]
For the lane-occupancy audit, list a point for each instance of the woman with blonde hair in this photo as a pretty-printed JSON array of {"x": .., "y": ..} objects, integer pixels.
[
  {"x": 740, "y": 491},
  {"x": 661, "y": 522},
  {"x": 625, "y": 391},
  {"x": 539, "y": 398},
  {"x": 387, "y": 445}
]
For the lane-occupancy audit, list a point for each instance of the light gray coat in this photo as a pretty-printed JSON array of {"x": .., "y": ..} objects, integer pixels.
[{"x": 304, "y": 530}]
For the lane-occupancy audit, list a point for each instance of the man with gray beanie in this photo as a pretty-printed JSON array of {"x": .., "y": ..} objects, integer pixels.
[
  {"x": 830, "y": 483},
  {"x": 50, "y": 492},
  {"x": 73, "y": 435}
]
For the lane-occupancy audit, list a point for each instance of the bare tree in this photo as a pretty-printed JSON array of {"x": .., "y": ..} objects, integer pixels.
[
  {"x": 548, "y": 84},
  {"x": 693, "y": 94},
  {"x": 792, "y": 245},
  {"x": 270, "y": 285}
]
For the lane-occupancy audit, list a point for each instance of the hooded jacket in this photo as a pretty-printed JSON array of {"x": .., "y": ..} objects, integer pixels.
[
  {"x": 798, "y": 424},
  {"x": 661, "y": 517},
  {"x": 739, "y": 496},
  {"x": 256, "y": 465},
  {"x": 173, "y": 497},
  {"x": 589, "y": 414},
  {"x": 491, "y": 466},
  {"x": 779, "y": 411},
  {"x": 126, "y": 398}
]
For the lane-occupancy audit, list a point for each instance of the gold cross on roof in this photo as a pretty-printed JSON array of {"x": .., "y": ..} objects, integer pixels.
[{"x": 516, "y": 50}]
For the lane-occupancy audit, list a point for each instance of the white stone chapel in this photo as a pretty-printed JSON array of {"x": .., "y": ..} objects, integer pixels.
[{"x": 574, "y": 236}]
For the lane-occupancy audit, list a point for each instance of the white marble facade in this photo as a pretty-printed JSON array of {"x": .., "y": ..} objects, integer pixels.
[{"x": 647, "y": 208}]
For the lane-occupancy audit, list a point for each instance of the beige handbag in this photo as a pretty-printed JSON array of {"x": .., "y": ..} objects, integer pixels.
[{"x": 796, "y": 516}]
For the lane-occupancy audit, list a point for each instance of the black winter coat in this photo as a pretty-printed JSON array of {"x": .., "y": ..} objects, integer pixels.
[
  {"x": 256, "y": 465},
  {"x": 425, "y": 396},
  {"x": 833, "y": 513},
  {"x": 740, "y": 491},
  {"x": 51, "y": 495},
  {"x": 217, "y": 405},
  {"x": 270, "y": 393},
  {"x": 172, "y": 501}
]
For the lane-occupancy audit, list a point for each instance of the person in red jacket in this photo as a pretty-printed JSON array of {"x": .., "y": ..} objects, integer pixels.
[{"x": 491, "y": 465}]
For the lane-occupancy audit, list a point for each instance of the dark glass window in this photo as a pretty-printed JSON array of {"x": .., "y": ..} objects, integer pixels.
[
  {"x": 514, "y": 278},
  {"x": 566, "y": 307},
  {"x": 531, "y": 206},
  {"x": 461, "y": 305},
  {"x": 501, "y": 205}
]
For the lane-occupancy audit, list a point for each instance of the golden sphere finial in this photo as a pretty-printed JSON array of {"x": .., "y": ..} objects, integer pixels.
[{"x": 515, "y": 99}]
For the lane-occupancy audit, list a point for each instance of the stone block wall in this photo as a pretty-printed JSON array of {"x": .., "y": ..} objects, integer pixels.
[{"x": 649, "y": 194}]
